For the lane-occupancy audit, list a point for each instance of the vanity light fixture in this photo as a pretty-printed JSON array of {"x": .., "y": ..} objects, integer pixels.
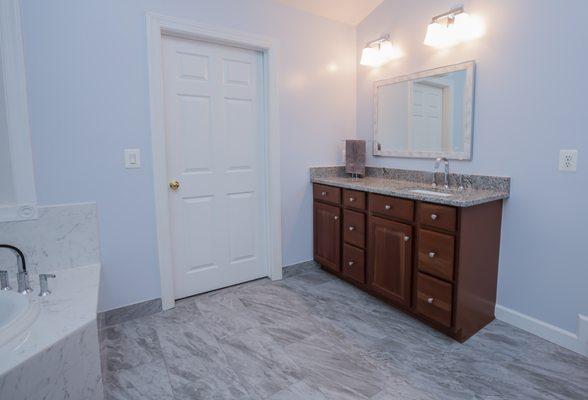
[
  {"x": 379, "y": 52},
  {"x": 453, "y": 27}
]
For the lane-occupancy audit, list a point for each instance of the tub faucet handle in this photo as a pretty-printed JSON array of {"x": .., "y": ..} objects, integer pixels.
[
  {"x": 4, "y": 284},
  {"x": 44, "y": 284},
  {"x": 22, "y": 278}
]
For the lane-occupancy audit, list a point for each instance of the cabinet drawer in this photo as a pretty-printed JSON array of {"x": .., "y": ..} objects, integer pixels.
[
  {"x": 434, "y": 299},
  {"x": 436, "y": 254},
  {"x": 354, "y": 199},
  {"x": 354, "y": 228},
  {"x": 327, "y": 193},
  {"x": 391, "y": 206},
  {"x": 354, "y": 263},
  {"x": 435, "y": 215}
]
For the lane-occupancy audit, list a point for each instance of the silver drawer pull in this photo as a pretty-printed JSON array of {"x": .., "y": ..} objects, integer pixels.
[
  {"x": 406, "y": 238},
  {"x": 351, "y": 199},
  {"x": 323, "y": 193},
  {"x": 430, "y": 300},
  {"x": 434, "y": 217},
  {"x": 387, "y": 207},
  {"x": 336, "y": 218},
  {"x": 432, "y": 254},
  {"x": 350, "y": 263},
  {"x": 351, "y": 228}
]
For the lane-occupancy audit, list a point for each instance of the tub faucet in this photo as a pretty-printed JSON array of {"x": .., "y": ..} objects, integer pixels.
[
  {"x": 438, "y": 161},
  {"x": 22, "y": 277}
]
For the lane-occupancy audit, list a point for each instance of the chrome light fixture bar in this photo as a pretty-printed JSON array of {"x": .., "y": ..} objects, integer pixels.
[
  {"x": 453, "y": 27},
  {"x": 450, "y": 15}
]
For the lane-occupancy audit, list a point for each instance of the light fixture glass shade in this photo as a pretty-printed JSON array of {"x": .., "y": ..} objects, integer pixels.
[
  {"x": 466, "y": 27},
  {"x": 370, "y": 56},
  {"x": 439, "y": 35},
  {"x": 390, "y": 52}
]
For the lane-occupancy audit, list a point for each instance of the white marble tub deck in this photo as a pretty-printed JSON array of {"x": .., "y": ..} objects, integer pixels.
[{"x": 71, "y": 306}]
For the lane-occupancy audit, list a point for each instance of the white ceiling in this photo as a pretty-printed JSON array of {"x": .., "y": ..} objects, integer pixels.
[{"x": 348, "y": 11}]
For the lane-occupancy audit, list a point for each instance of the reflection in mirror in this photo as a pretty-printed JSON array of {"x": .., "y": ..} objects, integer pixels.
[{"x": 426, "y": 115}]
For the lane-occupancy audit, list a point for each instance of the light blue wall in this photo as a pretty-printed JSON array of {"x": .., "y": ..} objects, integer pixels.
[
  {"x": 530, "y": 102},
  {"x": 88, "y": 93}
]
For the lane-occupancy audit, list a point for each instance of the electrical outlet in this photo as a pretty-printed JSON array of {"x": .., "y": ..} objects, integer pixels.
[{"x": 568, "y": 160}]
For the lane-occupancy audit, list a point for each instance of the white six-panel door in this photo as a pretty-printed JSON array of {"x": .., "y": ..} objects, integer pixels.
[
  {"x": 215, "y": 146},
  {"x": 427, "y": 117}
]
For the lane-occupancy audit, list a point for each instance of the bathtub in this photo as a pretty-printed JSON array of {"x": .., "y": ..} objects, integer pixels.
[{"x": 49, "y": 345}]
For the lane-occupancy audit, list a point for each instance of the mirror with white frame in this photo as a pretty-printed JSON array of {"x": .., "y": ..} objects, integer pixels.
[{"x": 425, "y": 115}]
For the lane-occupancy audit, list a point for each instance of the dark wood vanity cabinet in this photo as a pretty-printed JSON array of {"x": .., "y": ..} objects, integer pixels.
[{"x": 436, "y": 262}]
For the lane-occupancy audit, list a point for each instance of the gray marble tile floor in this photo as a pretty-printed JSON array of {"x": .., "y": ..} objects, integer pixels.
[{"x": 314, "y": 337}]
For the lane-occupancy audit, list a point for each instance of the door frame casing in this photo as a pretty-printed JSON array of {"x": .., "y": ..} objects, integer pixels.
[{"x": 157, "y": 26}]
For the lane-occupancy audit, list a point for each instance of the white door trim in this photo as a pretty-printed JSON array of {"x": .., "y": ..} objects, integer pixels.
[{"x": 157, "y": 25}]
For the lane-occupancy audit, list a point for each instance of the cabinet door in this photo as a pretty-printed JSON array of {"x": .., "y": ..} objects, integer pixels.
[
  {"x": 327, "y": 235},
  {"x": 390, "y": 259}
]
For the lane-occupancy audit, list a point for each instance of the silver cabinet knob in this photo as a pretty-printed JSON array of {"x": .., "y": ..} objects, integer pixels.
[
  {"x": 336, "y": 218},
  {"x": 432, "y": 254},
  {"x": 351, "y": 199},
  {"x": 430, "y": 300},
  {"x": 323, "y": 193},
  {"x": 350, "y": 263},
  {"x": 387, "y": 207},
  {"x": 406, "y": 238},
  {"x": 351, "y": 228},
  {"x": 434, "y": 217}
]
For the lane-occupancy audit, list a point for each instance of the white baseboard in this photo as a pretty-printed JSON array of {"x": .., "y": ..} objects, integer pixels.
[{"x": 574, "y": 342}]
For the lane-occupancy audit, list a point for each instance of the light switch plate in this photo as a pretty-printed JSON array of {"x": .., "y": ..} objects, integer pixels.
[
  {"x": 132, "y": 158},
  {"x": 568, "y": 160}
]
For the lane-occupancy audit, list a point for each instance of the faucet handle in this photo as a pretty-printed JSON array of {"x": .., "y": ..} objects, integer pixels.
[
  {"x": 4, "y": 284},
  {"x": 22, "y": 278},
  {"x": 44, "y": 284}
]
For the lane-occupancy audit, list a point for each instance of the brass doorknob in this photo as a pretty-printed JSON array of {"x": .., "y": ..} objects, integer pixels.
[{"x": 174, "y": 185}]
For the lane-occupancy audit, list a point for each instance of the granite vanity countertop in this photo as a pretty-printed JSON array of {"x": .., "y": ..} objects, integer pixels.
[{"x": 479, "y": 189}]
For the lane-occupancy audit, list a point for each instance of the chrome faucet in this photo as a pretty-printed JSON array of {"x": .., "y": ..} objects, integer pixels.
[
  {"x": 22, "y": 277},
  {"x": 438, "y": 162}
]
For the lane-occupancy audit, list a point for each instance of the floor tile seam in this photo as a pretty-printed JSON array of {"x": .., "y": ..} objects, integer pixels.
[
  {"x": 217, "y": 338},
  {"x": 229, "y": 365},
  {"x": 159, "y": 357},
  {"x": 165, "y": 363}
]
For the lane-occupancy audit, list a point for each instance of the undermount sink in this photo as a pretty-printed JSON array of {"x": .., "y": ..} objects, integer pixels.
[{"x": 430, "y": 192}]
